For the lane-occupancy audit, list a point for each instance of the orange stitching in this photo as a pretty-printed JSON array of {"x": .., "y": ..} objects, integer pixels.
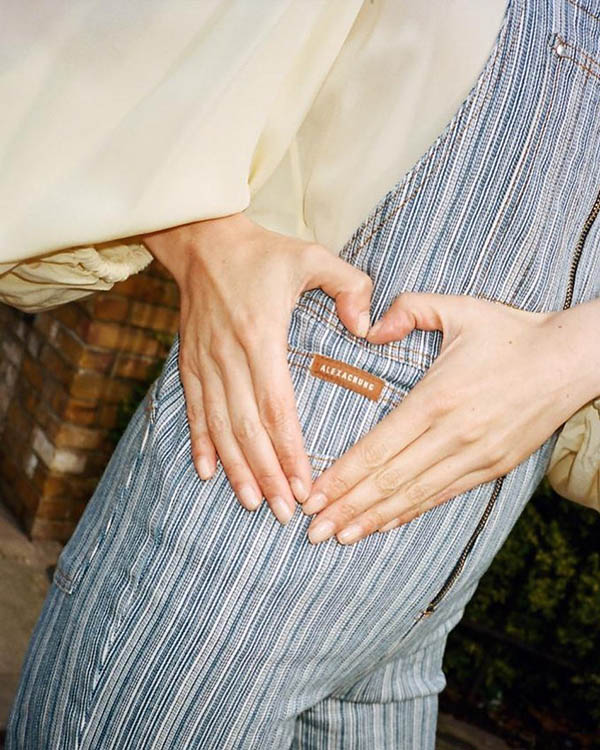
[
  {"x": 582, "y": 66},
  {"x": 585, "y": 10},
  {"x": 420, "y": 360},
  {"x": 577, "y": 51}
]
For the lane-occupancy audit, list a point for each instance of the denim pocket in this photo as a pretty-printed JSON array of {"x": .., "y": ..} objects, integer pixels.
[
  {"x": 95, "y": 524},
  {"x": 335, "y": 414}
]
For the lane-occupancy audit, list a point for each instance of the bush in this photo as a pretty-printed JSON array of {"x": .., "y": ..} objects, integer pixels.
[{"x": 527, "y": 649}]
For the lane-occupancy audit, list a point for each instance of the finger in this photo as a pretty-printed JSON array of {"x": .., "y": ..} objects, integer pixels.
[
  {"x": 404, "y": 510},
  {"x": 427, "y": 312},
  {"x": 232, "y": 458},
  {"x": 276, "y": 401},
  {"x": 467, "y": 483},
  {"x": 350, "y": 287},
  {"x": 390, "y": 492},
  {"x": 399, "y": 472},
  {"x": 203, "y": 450},
  {"x": 250, "y": 434},
  {"x": 408, "y": 421}
]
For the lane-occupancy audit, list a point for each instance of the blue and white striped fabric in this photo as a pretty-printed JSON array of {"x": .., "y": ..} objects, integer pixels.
[{"x": 177, "y": 619}]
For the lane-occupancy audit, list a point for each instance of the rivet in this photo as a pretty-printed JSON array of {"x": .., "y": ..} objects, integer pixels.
[{"x": 560, "y": 49}]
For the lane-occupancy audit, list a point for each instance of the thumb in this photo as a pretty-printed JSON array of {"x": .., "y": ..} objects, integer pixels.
[
  {"x": 350, "y": 287},
  {"x": 427, "y": 312}
]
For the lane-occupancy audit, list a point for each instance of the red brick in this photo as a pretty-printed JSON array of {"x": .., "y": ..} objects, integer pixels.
[
  {"x": 154, "y": 317},
  {"x": 55, "y": 365},
  {"x": 132, "y": 366},
  {"x": 33, "y": 371},
  {"x": 74, "y": 317},
  {"x": 74, "y": 436},
  {"x": 42, "y": 528},
  {"x": 92, "y": 386},
  {"x": 108, "y": 415},
  {"x": 107, "y": 306},
  {"x": 144, "y": 288},
  {"x": 123, "y": 338}
]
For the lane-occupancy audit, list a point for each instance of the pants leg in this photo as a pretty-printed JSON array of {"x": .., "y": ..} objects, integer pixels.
[
  {"x": 393, "y": 708},
  {"x": 177, "y": 619}
]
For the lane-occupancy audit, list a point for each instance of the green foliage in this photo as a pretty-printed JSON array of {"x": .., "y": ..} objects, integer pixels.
[{"x": 541, "y": 599}]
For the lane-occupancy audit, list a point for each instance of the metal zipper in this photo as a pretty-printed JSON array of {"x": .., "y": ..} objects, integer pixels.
[
  {"x": 579, "y": 249},
  {"x": 460, "y": 563}
]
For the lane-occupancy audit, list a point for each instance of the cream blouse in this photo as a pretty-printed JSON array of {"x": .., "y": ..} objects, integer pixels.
[{"x": 123, "y": 118}]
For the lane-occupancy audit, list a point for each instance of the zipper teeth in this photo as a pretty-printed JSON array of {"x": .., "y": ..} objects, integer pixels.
[
  {"x": 579, "y": 249},
  {"x": 460, "y": 563}
]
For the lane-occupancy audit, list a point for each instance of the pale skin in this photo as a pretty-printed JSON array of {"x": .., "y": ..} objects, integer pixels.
[
  {"x": 238, "y": 284},
  {"x": 504, "y": 381}
]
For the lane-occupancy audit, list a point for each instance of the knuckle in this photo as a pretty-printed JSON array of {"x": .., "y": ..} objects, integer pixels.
[
  {"x": 200, "y": 442},
  {"x": 218, "y": 349},
  {"x": 388, "y": 480},
  {"x": 337, "y": 485},
  {"x": 195, "y": 413},
  {"x": 417, "y": 493},
  {"x": 273, "y": 411},
  {"x": 247, "y": 324},
  {"x": 347, "y": 512},
  {"x": 267, "y": 479},
  {"x": 364, "y": 283},
  {"x": 442, "y": 401},
  {"x": 496, "y": 455},
  {"x": 472, "y": 433},
  {"x": 216, "y": 423},
  {"x": 373, "y": 453},
  {"x": 185, "y": 359},
  {"x": 246, "y": 429},
  {"x": 374, "y": 519}
]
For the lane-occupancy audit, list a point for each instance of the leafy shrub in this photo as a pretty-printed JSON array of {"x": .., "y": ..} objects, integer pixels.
[{"x": 529, "y": 643}]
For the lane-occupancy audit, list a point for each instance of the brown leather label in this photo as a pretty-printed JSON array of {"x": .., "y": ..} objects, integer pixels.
[{"x": 341, "y": 373}]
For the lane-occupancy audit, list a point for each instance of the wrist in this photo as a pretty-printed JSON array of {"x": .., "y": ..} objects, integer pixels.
[
  {"x": 575, "y": 332},
  {"x": 181, "y": 247}
]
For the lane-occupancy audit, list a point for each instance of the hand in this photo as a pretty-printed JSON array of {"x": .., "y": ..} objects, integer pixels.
[
  {"x": 504, "y": 381},
  {"x": 238, "y": 284}
]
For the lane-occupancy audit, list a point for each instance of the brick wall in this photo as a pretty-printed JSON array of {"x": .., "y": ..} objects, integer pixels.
[{"x": 63, "y": 375}]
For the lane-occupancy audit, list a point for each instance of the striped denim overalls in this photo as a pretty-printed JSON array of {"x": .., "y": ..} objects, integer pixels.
[{"x": 178, "y": 620}]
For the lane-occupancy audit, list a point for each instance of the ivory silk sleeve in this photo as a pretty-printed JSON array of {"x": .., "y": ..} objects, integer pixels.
[{"x": 125, "y": 118}]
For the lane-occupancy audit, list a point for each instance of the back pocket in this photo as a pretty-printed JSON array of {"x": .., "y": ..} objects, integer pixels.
[{"x": 96, "y": 522}]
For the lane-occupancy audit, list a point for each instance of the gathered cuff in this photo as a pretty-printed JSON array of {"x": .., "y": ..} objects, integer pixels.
[{"x": 60, "y": 277}]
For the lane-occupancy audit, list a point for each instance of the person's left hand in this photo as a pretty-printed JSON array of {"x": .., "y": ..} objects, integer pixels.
[{"x": 504, "y": 381}]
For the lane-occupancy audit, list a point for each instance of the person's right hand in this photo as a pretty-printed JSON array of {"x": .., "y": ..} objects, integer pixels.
[{"x": 238, "y": 284}]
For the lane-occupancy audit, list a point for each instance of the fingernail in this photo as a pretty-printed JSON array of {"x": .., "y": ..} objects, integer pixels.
[
  {"x": 298, "y": 488},
  {"x": 390, "y": 525},
  {"x": 205, "y": 468},
  {"x": 364, "y": 322},
  {"x": 375, "y": 328},
  {"x": 349, "y": 534},
  {"x": 320, "y": 531},
  {"x": 314, "y": 504},
  {"x": 281, "y": 509},
  {"x": 249, "y": 497}
]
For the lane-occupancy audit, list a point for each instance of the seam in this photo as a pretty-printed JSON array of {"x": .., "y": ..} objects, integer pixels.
[
  {"x": 584, "y": 9},
  {"x": 577, "y": 51},
  {"x": 530, "y": 150},
  {"x": 419, "y": 361},
  {"x": 437, "y": 152}
]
